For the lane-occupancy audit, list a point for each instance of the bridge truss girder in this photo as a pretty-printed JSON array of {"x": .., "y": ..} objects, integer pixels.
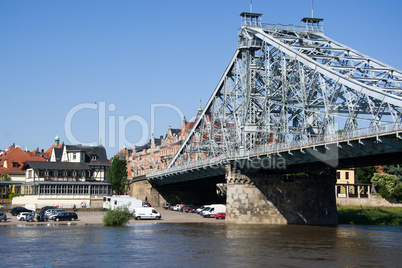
[{"x": 283, "y": 86}]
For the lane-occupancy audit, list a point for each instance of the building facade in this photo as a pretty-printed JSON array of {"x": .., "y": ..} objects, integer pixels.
[
  {"x": 153, "y": 156},
  {"x": 74, "y": 175}
]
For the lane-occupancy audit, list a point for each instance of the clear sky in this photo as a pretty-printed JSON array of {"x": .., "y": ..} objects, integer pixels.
[{"x": 93, "y": 71}]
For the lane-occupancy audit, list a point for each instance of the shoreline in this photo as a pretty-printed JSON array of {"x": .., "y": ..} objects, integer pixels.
[
  {"x": 347, "y": 215},
  {"x": 95, "y": 218}
]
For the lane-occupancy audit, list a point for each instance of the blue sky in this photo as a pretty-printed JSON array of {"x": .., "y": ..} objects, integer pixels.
[{"x": 91, "y": 70}]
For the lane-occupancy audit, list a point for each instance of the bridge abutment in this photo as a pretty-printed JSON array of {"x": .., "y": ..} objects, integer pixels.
[{"x": 280, "y": 199}]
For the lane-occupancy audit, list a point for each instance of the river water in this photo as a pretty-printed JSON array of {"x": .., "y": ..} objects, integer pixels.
[{"x": 200, "y": 245}]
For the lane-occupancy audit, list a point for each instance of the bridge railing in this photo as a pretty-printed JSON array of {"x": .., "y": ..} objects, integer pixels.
[{"x": 283, "y": 147}]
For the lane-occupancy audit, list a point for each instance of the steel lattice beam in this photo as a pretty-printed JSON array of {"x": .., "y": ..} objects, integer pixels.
[{"x": 287, "y": 83}]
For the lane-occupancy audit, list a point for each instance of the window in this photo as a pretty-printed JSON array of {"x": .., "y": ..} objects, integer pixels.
[
  {"x": 338, "y": 175},
  {"x": 74, "y": 156},
  {"x": 346, "y": 175}
]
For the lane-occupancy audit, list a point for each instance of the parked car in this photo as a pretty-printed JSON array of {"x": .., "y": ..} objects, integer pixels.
[
  {"x": 198, "y": 210},
  {"x": 30, "y": 217},
  {"x": 3, "y": 217},
  {"x": 188, "y": 208},
  {"x": 178, "y": 207},
  {"x": 22, "y": 216},
  {"x": 204, "y": 209},
  {"x": 43, "y": 210},
  {"x": 166, "y": 205},
  {"x": 221, "y": 215},
  {"x": 72, "y": 216},
  {"x": 194, "y": 209},
  {"x": 41, "y": 217},
  {"x": 49, "y": 211},
  {"x": 17, "y": 210},
  {"x": 55, "y": 212}
]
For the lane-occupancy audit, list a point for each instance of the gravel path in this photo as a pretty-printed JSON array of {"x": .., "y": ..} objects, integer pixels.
[{"x": 85, "y": 218}]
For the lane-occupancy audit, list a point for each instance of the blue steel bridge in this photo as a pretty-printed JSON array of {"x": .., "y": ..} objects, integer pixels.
[{"x": 291, "y": 100}]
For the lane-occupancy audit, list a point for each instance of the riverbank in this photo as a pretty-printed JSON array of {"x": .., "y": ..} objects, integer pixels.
[
  {"x": 95, "y": 218},
  {"x": 347, "y": 215},
  {"x": 370, "y": 216}
]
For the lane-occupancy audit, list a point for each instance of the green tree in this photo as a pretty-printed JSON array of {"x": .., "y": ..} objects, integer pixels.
[
  {"x": 388, "y": 186},
  {"x": 364, "y": 174},
  {"x": 118, "y": 174},
  {"x": 6, "y": 177},
  {"x": 393, "y": 170}
]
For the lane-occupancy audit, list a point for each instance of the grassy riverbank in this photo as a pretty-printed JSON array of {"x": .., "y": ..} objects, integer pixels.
[{"x": 370, "y": 216}]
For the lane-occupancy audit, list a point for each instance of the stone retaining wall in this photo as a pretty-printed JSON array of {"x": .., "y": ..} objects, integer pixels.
[{"x": 374, "y": 201}]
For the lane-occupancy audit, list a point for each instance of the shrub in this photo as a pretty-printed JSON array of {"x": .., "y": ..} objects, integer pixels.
[
  {"x": 117, "y": 217},
  {"x": 387, "y": 185}
]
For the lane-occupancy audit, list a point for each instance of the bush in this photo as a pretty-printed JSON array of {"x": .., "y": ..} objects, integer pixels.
[
  {"x": 117, "y": 217},
  {"x": 388, "y": 186}
]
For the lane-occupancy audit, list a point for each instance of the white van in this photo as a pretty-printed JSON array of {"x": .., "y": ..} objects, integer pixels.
[
  {"x": 213, "y": 209},
  {"x": 146, "y": 213}
]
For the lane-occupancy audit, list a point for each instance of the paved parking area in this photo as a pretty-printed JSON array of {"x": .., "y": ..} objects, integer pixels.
[{"x": 168, "y": 216}]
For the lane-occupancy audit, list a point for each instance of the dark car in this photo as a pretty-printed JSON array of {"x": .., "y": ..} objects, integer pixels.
[
  {"x": 17, "y": 210},
  {"x": 65, "y": 216},
  {"x": 3, "y": 217},
  {"x": 43, "y": 210}
]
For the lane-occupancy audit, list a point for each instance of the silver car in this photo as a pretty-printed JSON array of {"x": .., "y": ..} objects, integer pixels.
[{"x": 30, "y": 217}]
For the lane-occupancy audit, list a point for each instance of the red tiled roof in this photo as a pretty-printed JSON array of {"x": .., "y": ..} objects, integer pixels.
[{"x": 16, "y": 158}]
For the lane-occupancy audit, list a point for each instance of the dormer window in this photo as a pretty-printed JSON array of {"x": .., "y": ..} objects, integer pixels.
[
  {"x": 74, "y": 156},
  {"x": 93, "y": 157}
]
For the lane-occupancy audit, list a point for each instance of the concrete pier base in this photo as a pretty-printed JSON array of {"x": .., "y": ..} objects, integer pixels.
[{"x": 280, "y": 199}]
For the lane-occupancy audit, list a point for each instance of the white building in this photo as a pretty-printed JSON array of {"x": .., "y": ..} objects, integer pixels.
[{"x": 75, "y": 174}]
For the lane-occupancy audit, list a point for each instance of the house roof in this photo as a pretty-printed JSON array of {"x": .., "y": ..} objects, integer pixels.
[
  {"x": 55, "y": 165},
  {"x": 93, "y": 155},
  {"x": 48, "y": 153},
  {"x": 12, "y": 160}
]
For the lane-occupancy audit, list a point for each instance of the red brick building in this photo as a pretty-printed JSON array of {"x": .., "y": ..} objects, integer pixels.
[{"x": 156, "y": 154}]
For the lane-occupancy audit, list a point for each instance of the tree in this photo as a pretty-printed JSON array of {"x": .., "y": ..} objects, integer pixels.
[
  {"x": 118, "y": 174},
  {"x": 388, "y": 186},
  {"x": 393, "y": 170},
  {"x": 364, "y": 174},
  {"x": 6, "y": 177}
]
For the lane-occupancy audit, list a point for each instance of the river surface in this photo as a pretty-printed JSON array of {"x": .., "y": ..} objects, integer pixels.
[{"x": 200, "y": 245}]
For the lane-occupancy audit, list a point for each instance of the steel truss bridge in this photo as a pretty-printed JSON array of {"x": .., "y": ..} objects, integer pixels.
[{"x": 291, "y": 94}]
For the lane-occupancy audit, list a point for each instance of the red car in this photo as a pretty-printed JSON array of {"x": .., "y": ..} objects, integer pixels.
[{"x": 221, "y": 215}]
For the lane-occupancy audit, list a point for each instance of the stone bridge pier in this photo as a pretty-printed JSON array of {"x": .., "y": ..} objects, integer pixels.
[{"x": 280, "y": 199}]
